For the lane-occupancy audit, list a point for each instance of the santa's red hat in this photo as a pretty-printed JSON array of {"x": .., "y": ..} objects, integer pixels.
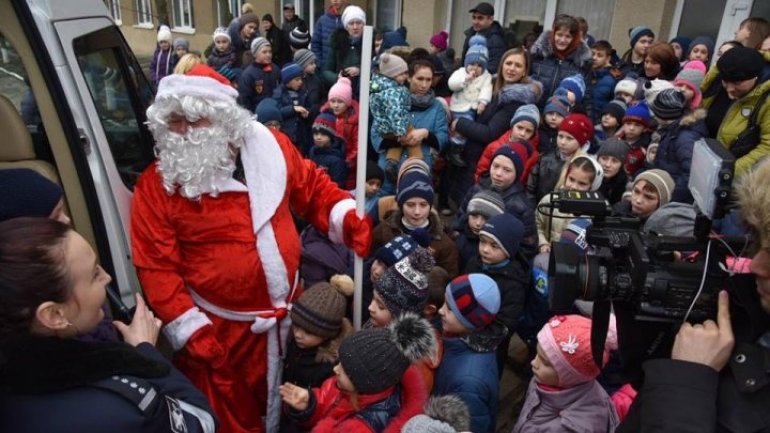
[{"x": 201, "y": 81}]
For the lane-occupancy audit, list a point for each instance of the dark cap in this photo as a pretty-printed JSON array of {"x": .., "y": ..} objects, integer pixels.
[
  {"x": 484, "y": 8},
  {"x": 288, "y": 6},
  {"x": 741, "y": 65}
]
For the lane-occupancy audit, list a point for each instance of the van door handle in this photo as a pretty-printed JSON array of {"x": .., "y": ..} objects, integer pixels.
[{"x": 84, "y": 141}]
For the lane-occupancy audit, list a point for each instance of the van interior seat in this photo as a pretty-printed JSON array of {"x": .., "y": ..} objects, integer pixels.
[{"x": 17, "y": 149}]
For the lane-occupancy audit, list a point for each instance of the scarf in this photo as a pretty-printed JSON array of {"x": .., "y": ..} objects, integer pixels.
[
  {"x": 422, "y": 102},
  {"x": 410, "y": 227}
]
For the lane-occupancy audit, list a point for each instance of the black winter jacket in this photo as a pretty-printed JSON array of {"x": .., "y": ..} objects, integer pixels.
[
  {"x": 495, "y": 44},
  {"x": 675, "y": 151},
  {"x": 550, "y": 70},
  {"x": 256, "y": 83},
  {"x": 544, "y": 176},
  {"x": 513, "y": 281}
]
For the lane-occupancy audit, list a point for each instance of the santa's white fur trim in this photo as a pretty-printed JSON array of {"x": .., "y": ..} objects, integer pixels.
[
  {"x": 274, "y": 374},
  {"x": 179, "y": 330},
  {"x": 194, "y": 85},
  {"x": 337, "y": 217}
]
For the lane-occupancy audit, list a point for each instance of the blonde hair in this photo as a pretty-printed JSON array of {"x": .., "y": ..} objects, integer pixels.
[
  {"x": 754, "y": 201},
  {"x": 247, "y": 8},
  {"x": 187, "y": 62},
  {"x": 500, "y": 81}
]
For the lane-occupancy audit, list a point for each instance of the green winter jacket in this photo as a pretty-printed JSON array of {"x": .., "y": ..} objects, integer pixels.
[{"x": 737, "y": 118}]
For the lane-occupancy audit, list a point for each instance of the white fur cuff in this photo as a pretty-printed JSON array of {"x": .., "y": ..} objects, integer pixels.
[
  {"x": 179, "y": 330},
  {"x": 337, "y": 217}
]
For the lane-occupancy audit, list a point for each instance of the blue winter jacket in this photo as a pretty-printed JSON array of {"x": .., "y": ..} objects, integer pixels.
[
  {"x": 550, "y": 70},
  {"x": 256, "y": 83},
  {"x": 294, "y": 125},
  {"x": 675, "y": 151},
  {"x": 326, "y": 25},
  {"x": 602, "y": 91},
  {"x": 469, "y": 371},
  {"x": 429, "y": 116},
  {"x": 332, "y": 159}
]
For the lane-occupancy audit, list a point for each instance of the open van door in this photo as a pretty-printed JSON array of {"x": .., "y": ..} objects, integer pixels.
[{"x": 90, "y": 97}]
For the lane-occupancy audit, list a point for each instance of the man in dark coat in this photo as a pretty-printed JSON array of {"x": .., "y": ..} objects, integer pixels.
[{"x": 483, "y": 23}]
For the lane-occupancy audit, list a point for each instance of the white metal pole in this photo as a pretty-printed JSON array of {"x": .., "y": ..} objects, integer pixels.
[{"x": 363, "y": 145}]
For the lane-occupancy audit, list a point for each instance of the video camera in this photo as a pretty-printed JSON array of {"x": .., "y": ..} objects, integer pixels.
[{"x": 642, "y": 277}]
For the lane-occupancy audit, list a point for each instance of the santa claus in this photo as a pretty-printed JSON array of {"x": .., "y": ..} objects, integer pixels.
[{"x": 215, "y": 245}]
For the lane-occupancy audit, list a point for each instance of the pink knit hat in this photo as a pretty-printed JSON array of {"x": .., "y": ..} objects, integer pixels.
[
  {"x": 566, "y": 341},
  {"x": 342, "y": 89},
  {"x": 691, "y": 76},
  {"x": 439, "y": 40}
]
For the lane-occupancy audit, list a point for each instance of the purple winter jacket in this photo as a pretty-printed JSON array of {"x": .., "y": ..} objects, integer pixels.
[{"x": 585, "y": 408}]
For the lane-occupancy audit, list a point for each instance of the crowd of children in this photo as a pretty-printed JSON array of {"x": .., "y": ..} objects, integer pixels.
[{"x": 447, "y": 301}]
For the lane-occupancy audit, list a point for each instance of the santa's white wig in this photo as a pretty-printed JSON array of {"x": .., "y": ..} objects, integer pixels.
[{"x": 194, "y": 162}]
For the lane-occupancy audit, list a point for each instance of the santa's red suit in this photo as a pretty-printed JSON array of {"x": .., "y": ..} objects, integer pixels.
[{"x": 220, "y": 271}]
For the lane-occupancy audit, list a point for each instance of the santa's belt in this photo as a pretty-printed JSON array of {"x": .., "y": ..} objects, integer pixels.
[{"x": 259, "y": 317}]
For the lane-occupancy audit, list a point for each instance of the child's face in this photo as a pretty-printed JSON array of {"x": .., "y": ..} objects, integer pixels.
[
  {"x": 449, "y": 322},
  {"x": 343, "y": 381},
  {"x": 304, "y": 339},
  {"x": 566, "y": 143},
  {"x": 475, "y": 68},
  {"x": 633, "y": 131},
  {"x": 642, "y": 45},
  {"x": 475, "y": 222},
  {"x": 553, "y": 119},
  {"x": 338, "y": 106},
  {"x": 378, "y": 44},
  {"x": 699, "y": 52},
  {"x": 434, "y": 49},
  {"x": 378, "y": 269},
  {"x": 626, "y": 97},
  {"x": 502, "y": 173},
  {"x": 643, "y": 201},
  {"x": 743, "y": 34},
  {"x": 372, "y": 187},
  {"x": 652, "y": 151},
  {"x": 310, "y": 68},
  {"x": 610, "y": 165},
  {"x": 180, "y": 51},
  {"x": 609, "y": 121},
  {"x": 58, "y": 213},
  {"x": 222, "y": 44},
  {"x": 578, "y": 179},
  {"x": 379, "y": 312},
  {"x": 651, "y": 67},
  {"x": 294, "y": 84},
  {"x": 687, "y": 92},
  {"x": 401, "y": 78},
  {"x": 601, "y": 59},
  {"x": 416, "y": 211},
  {"x": 164, "y": 45},
  {"x": 522, "y": 130},
  {"x": 264, "y": 55},
  {"x": 677, "y": 49},
  {"x": 542, "y": 369},
  {"x": 320, "y": 139},
  {"x": 490, "y": 251}
]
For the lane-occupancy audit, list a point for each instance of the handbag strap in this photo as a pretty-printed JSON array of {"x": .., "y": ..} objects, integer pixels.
[{"x": 755, "y": 111}]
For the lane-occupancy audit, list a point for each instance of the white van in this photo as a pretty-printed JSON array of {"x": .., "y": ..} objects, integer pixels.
[{"x": 72, "y": 106}]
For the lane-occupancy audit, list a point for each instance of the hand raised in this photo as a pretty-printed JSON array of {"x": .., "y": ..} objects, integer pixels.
[{"x": 295, "y": 396}]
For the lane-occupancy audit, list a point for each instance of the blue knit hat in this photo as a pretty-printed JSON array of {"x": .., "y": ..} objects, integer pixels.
[
  {"x": 506, "y": 230},
  {"x": 575, "y": 84},
  {"x": 402, "y": 246},
  {"x": 474, "y": 299},
  {"x": 25, "y": 193},
  {"x": 557, "y": 104},
  {"x": 326, "y": 123},
  {"x": 637, "y": 32},
  {"x": 508, "y": 152},
  {"x": 702, "y": 40},
  {"x": 638, "y": 113},
  {"x": 414, "y": 183},
  {"x": 267, "y": 111},
  {"x": 683, "y": 42},
  {"x": 477, "y": 51},
  {"x": 528, "y": 112},
  {"x": 395, "y": 38},
  {"x": 290, "y": 71}
]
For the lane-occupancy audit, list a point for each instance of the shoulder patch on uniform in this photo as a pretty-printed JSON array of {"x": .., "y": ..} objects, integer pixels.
[{"x": 176, "y": 416}]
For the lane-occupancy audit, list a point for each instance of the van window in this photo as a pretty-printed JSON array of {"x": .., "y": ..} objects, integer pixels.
[{"x": 121, "y": 94}]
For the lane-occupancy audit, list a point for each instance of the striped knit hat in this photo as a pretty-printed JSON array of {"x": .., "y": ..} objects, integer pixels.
[{"x": 474, "y": 299}]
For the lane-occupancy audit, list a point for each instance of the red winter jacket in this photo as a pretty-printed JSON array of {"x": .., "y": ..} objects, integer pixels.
[
  {"x": 347, "y": 129},
  {"x": 485, "y": 162}
]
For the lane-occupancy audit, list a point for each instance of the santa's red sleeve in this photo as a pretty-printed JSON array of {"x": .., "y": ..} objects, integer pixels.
[
  {"x": 157, "y": 257},
  {"x": 313, "y": 195}
]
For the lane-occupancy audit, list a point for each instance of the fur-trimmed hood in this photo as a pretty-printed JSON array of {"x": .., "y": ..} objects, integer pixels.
[
  {"x": 543, "y": 48},
  {"x": 328, "y": 352},
  {"x": 692, "y": 117}
]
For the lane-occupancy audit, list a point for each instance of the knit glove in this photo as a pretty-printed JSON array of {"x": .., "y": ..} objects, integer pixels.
[
  {"x": 357, "y": 233},
  {"x": 204, "y": 347}
]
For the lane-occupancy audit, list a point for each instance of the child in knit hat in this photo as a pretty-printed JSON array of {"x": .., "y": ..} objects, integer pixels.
[
  {"x": 291, "y": 96},
  {"x": 375, "y": 388},
  {"x": 443, "y": 414},
  {"x": 611, "y": 119},
  {"x": 163, "y": 61},
  {"x": 403, "y": 287},
  {"x": 689, "y": 80},
  {"x": 471, "y": 336},
  {"x": 328, "y": 150},
  {"x": 345, "y": 109},
  {"x": 482, "y": 206},
  {"x": 375, "y": 177},
  {"x": 555, "y": 110},
  {"x": 702, "y": 49},
  {"x": 222, "y": 53},
  {"x": 574, "y": 138},
  {"x": 651, "y": 190},
  {"x": 564, "y": 390},
  {"x": 499, "y": 258},
  {"x": 575, "y": 87},
  {"x": 311, "y": 81},
  {"x": 626, "y": 90},
  {"x": 260, "y": 78},
  {"x": 612, "y": 152},
  {"x": 390, "y": 105},
  {"x": 636, "y": 133},
  {"x": 471, "y": 88},
  {"x": 524, "y": 124},
  {"x": 439, "y": 47}
]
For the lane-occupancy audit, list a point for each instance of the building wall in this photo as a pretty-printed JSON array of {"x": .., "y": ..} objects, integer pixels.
[{"x": 655, "y": 14}]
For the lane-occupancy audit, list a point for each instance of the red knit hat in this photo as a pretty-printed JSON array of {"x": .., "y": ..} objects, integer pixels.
[
  {"x": 566, "y": 341},
  {"x": 579, "y": 126}
]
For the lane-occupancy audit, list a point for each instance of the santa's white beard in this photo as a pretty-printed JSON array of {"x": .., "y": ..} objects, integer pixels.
[{"x": 195, "y": 162}]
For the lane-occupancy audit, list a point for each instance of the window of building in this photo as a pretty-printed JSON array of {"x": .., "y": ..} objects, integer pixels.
[
  {"x": 182, "y": 13},
  {"x": 143, "y": 13},
  {"x": 227, "y": 10},
  {"x": 387, "y": 15},
  {"x": 114, "y": 7},
  {"x": 598, "y": 14}
]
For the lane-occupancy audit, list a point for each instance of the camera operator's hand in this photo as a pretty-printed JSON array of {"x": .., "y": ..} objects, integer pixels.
[{"x": 708, "y": 343}]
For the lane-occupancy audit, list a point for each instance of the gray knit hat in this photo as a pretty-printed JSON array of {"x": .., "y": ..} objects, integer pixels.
[
  {"x": 661, "y": 181},
  {"x": 486, "y": 203},
  {"x": 528, "y": 112},
  {"x": 442, "y": 414},
  {"x": 404, "y": 286},
  {"x": 392, "y": 65},
  {"x": 258, "y": 43},
  {"x": 299, "y": 38},
  {"x": 303, "y": 58},
  {"x": 669, "y": 104},
  {"x": 614, "y": 147}
]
